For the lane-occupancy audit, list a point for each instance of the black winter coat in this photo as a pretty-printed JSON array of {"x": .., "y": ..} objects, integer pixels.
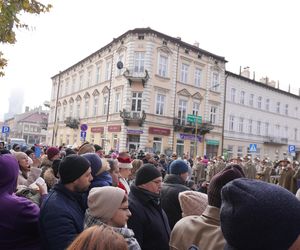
[
  {"x": 171, "y": 188},
  {"x": 148, "y": 221}
]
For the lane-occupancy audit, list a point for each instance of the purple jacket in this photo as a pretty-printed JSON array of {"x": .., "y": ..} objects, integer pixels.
[{"x": 18, "y": 215}]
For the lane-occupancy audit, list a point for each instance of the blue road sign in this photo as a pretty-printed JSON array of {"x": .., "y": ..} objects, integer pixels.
[
  {"x": 84, "y": 127},
  {"x": 83, "y": 134},
  {"x": 5, "y": 129},
  {"x": 253, "y": 147},
  {"x": 292, "y": 148}
]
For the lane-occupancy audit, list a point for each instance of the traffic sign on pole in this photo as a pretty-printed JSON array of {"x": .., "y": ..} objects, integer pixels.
[
  {"x": 5, "y": 129},
  {"x": 84, "y": 127},
  {"x": 292, "y": 148},
  {"x": 253, "y": 148}
]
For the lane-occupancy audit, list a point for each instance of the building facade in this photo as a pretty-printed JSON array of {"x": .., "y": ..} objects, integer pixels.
[
  {"x": 260, "y": 119},
  {"x": 143, "y": 90}
]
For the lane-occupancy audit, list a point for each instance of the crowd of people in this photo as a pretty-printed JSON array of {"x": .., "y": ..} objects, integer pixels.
[{"x": 82, "y": 198}]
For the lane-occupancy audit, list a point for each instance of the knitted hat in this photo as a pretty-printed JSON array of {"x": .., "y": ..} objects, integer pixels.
[
  {"x": 70, "y": 151},
  {"x": 192, "y": 202},
  {"x": 95, "y": 162},
  {"x": 146, "y": 173},
  {"x": 72, "y": 167},
  {"x": 219, "y": 180},
  {"x": 97, "y": 147},
  {"x": 124, "y": 162},
  {"x": 259, "y": 215},
  {"x": 103, "y": 202},
  {"x": 178, "y": 167},
  {"x": 51, "y": 152},
  {"x": 86, "y": 148},
  {"x": 20, "y": 155}
]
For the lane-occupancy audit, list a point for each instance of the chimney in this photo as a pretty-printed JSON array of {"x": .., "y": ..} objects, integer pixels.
[
  {"x": 246, "y": 72},
  {"x": 196, "y": 44}
]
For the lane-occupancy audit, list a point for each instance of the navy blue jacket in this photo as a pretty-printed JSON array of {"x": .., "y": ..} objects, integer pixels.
[
  {"x": 148, "y": 221},
  {"x": 61, "y": 218}
]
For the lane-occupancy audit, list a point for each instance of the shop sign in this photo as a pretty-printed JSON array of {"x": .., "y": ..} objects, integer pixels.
[
  {"x": 159, "y": 131},
  {"x": 97, "y": 129},
  {"x": 114, "y": 128},
  {"x": 134, "y": 132},
  {"x": 212, "y": 142},
  {"x": 189, "y": 137}
]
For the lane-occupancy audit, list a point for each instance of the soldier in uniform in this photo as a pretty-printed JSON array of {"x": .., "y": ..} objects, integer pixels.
[
  {"x": 286, "y": 175},
  {"x": 266, "y": 169},
  {"x": 249, "y": 167}
]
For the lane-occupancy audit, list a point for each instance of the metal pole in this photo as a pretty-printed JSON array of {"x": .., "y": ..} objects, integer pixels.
[
  {"x": 54, "y": 134},
  {"x": 196, "y": 138}
]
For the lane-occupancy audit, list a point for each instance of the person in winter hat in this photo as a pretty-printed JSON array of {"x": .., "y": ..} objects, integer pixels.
[
  {"x": 204, "y": 231},
  {"x": 86, "y": 147},
  {"x": 125, "y": 167},
  {"x": 114, "y": 213},
  {"x": 258, "y": 215},
  {"x": 174, "y": 183},
  {"x": 62, "y": 213},
  {"x": 192, "y": 202}
]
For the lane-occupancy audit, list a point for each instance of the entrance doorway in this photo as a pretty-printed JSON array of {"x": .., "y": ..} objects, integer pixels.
[{"x": 133, "y": 142}]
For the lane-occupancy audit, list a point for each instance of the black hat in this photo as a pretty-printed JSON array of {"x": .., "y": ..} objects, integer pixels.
[
  {"x": 258, "y": 215},
  {"x": 219, "y": 180},
  {"x": 146, "y": 173},
  {"x": 72, "y": 167}
]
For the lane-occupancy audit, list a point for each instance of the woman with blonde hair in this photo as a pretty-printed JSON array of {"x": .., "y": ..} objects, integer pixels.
[
  {"x": 99, "y": 238},
  {"x": 136, "y": 164}
]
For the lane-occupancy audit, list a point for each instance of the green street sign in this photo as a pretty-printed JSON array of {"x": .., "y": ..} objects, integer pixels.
[{"x": 192, "y": 118}]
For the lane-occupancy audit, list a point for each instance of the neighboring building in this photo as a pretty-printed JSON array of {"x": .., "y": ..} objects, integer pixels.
[
  {"x": 16, "y": 102},
  {"x": 137, "y": 92},
  {"x": 30, "y": 125},
  {"x": 258, "y": 113}
]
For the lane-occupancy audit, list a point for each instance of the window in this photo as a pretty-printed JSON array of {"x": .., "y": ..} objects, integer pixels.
[
  {"x": 108, "y": 71},
  {"x": 73, "y": 85},
  {"x": 250, "y": 126},
  {"x": 136, "y": 104},
  {"x": 213, "y": 114},
  {"x": 105, "y": 104},
  {"x": 80, "y": 82},
  {"x": 117, "y": 102},
  {"x": 215, "y": 82},
  {"x": 180, "y": 147},
  {"x": 267, "y": 104},
  {"x": 163, "y": 66},
  {"x": 241, "y": 125},
  {"x": 67, "y": 87},
  {"x": 139, "y": 62},
  {"x": 95, "y": 106},
  {"x": 240, "y": 151},
  {"x": 230, "y": 151},
  {"x": 277, "y": 130},
  {"x": 196, "y": 108},
  {"x": 251, "y": 98},
  {"x": 286, "y": 109},
  {"x": 232, "y": 94},
  {"x": 184, "y": 73},
  {"x": 286, "y": 132},
  {"x": 71, "y": 109},
  {"x": 259, "y": 99},
  {"x": 198, "y": 74},
  {"x": 258, "y": 129},
  {"x": 266, "y": 129},
  {"x": 78, "y": 109},
  {"x": 295, "y": 134},
  {"x": 242, "y": 97},
  {"x": 231, "y": 122},
  {"x": 278, "y": 107},
  {"x": 89, "y": 78},
  {"x": 157, "y": 143},
  {"x": 182, "y": 107},
  {"x": 160, "y": 103},
  {"x": 86, "y": 107},
  {"x": 98, "y": 68}
]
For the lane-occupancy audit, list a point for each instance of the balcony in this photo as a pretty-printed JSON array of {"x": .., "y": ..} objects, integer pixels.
[
  {"x": 189, "y": 127},
  {"x": 134, "y": 75},
  {"x": 72, "y": 122},
  {"x": 275, "y": 140},
  {"x": 133, "y": 117}
]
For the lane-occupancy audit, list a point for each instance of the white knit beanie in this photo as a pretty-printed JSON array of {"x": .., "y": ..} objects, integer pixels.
[
  {"x": 103, "y": 202},
  {"x": 192, "y": 202}
]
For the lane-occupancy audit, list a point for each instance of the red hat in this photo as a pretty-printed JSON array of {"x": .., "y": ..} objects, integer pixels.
[
  {"x": 124, "y": 162},
  {"x": 51, "y": 152}
]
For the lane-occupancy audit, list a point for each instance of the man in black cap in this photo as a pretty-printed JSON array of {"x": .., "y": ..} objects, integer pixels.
[
  {"x": 148, "y": 221},
  {"x": 62, "y": 213}
]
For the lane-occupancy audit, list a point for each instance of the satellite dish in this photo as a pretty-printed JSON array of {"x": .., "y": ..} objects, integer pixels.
[{"x": 120, "y": 65}]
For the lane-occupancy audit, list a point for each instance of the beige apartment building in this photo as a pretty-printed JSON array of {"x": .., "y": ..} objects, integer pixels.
[{"x": 143, "y": 91}]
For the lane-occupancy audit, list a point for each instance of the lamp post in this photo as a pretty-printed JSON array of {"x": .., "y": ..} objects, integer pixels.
[{"x": 54, "y": 134}]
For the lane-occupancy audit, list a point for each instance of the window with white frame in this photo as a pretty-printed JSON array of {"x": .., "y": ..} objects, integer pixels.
[
  {"x": 98, "y": 68},
  {"x": 160, "y": 104},
  {"x": 89, "y": 78},
  {"x": 240, "y": 151},
  {"x": 286, "y": 109},
  {"x": 78, "y": 109},
  {"x": 108, "y": 71},
  {"x": 117, "y": 101},
  {"x": 198, "y": 75},
  {"x": 184, "y": 73},
  {"x": 259, "y": 99},
  {"x": 67, "y": 87},
  {"x": 163, "y": 66},
  {"x": 71, "y": 109},
  {"x": 64, "y": 111},
  {"x": 95, "y": 106},
  {"x": 258, "y": 128},
  {"x": 295, "y": 134},
  {"x": 215, "y": 83},
  {"x": 80, "y": 81},
  {"x": 278, "y": 107},
  {"x": 232, "y": 94},
  {"x": 182, "y": 108},
  {"x": 61, "y": 89},
  {"x": 196, "y": 108},
  {"x": 242, "y": 97},
  {"x": 267, "y": 129},
  {"x": 267, "y": 104},
  {"x": 105, "y": 104},
  {"x": 241, "y": 124},
  {"x": 229, "y": 151},
  {"x": 213, "y": 114},
  {"x": 139, "y": 62},
  {"x": 73, "y": 84},
  {"x": 277, "y": 130},
  {"x": 157, "y": 143},
  {"x": 86, "y": 107},
  {"x": 251, "y": 99},
  {"x": 231, "y": 123},
  {"x": 136, "y": 104},
  {"x": 250, "y": 122}
]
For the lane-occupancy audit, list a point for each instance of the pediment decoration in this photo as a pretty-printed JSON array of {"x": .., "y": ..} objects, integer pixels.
[
  {"x": 58, "y": 104},
  {"x": 78, "y": 98},
  {"x": 184, "y": 92},
  {"x": 105, "y": 90},
  {"x": 197, "y": 95},
  {"x": 121, "y": 49},
  {"x": 165, "y": 50},
  {"x": 96, "y": 92},
  {"x": 86, "y": 95},
  {"x": 65, "y": 102},
  {"x": 71, "y": 100}
]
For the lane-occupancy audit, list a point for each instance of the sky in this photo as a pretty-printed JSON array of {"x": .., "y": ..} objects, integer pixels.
[{"x": 262, "y": 35}]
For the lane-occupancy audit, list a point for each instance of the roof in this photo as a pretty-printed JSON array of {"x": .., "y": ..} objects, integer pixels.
[{"x": 148, "y": 31}]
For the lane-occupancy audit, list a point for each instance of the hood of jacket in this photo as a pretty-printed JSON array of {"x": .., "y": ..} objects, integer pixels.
[{"x": 9, "y": 170}]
